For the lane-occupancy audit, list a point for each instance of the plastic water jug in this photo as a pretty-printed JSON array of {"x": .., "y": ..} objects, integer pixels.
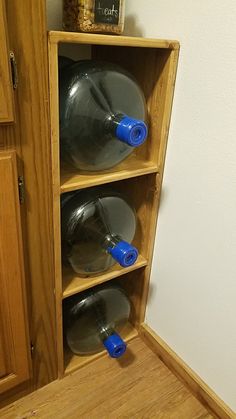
[
  {"x": 97, "y": 227},
  {"x": 93, "y": 319},
  {"x": 102, "y": 114}
]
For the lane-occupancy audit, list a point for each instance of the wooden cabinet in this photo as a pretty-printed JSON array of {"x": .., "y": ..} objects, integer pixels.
[
  {"x": 14, "y": 342},
  {"x": 153, "y": 63},
  {"x": 29, "y": 137},
  {"x": 6, "y": 96}
]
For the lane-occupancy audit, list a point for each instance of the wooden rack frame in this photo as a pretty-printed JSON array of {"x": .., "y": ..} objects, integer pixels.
[{"x": 153, "y": 63}]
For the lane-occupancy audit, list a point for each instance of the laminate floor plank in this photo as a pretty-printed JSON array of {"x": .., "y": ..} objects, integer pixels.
[{"x": 138, "y": 386}]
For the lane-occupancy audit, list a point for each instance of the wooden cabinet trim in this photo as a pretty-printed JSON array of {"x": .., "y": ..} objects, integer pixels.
[
  {"x": 6, "y": 93},
  {"x": 14, "y": 329}
]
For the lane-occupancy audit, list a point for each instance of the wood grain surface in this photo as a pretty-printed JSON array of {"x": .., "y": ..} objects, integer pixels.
[
  {"x": 137, "y": 386},
  {"x": 14, "y": 335},
  {"x": 6, "y": 96},
  {"x": 28, "y": 40},
  {"x": 73, "y": 283},
  {"x": 72, "y": 179},
  {"x": 97, "y": 39},
  {"x": 196, "y": 385}
]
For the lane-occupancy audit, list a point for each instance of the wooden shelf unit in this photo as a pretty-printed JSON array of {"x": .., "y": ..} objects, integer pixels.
[{"x": 153, "y": 63}]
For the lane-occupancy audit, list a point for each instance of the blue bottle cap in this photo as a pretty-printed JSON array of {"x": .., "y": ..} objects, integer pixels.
[
  {"x": 131, "y": 131},
  {"x": 124, "y": 253},
  {"x": 115, "y": 346}
]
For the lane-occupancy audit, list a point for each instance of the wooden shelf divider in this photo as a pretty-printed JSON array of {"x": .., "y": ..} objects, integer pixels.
[
  {"x": 73, "y": 284},
  {"x": 72, "y": 180}
]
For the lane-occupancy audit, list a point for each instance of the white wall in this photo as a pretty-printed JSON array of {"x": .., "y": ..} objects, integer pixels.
[{"x": 192, "y": 304}]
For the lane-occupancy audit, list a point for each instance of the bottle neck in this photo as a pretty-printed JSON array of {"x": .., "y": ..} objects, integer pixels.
[
  {"x": 105, "y": 332},
  {"x": 100, "y": 317},
  {"x": 110, "y": 241},
  {"x": 112, "y": 122}
]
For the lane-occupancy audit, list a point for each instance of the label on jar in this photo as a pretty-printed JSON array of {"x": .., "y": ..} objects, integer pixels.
[{"x": 107, "y": 11}]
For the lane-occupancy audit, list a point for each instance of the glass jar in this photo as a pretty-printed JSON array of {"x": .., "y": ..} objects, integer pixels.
[{"x": 95, "y": 16}]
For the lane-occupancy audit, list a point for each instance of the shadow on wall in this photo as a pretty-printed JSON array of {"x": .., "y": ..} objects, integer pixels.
[
  {"x": 54, "y": 15},
  {"x": 152, "y": 291},
  {"x": 131, "y": 26}
]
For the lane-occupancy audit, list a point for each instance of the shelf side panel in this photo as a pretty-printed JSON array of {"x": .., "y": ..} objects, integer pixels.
[{"x": 54, "y": 114}]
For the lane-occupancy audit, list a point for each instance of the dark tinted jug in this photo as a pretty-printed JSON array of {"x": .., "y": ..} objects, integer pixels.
[
  {"x": 97, "y": 227},
  {"x": 102, "y": 114},
  {"x": 93, "y": 319}
]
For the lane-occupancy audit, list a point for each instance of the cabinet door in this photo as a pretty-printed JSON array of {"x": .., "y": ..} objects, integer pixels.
[
  {"x": 14, "y": 341},
  {"x": 6, "y": 96}
]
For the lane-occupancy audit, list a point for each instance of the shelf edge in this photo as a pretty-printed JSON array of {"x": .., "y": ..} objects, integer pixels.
[
  {"x": 109, "y": 276},
  {"x": 113, "y": 40},
  {"x": 107, "y": 178}
]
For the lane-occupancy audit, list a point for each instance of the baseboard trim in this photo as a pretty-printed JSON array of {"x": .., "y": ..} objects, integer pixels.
[{"x": 205, "y": 394}]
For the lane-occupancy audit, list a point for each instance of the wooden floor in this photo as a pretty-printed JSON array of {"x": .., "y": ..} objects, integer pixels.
[{"x": 137, "y": 386}]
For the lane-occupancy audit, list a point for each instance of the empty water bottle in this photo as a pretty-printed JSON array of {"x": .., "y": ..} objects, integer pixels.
[
  {"x": 93, "y": 319},
  {"x": 64, "y": 62},
  {"x": 97, "y": 227},
  {"x": 102, "y": 114}
]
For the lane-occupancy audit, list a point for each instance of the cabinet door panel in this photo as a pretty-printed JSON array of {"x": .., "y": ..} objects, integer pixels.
[
  {"x": 14, "y": 342},
  {"x": 6, "y": 96},
  {"x": 3, "y": 362}
]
